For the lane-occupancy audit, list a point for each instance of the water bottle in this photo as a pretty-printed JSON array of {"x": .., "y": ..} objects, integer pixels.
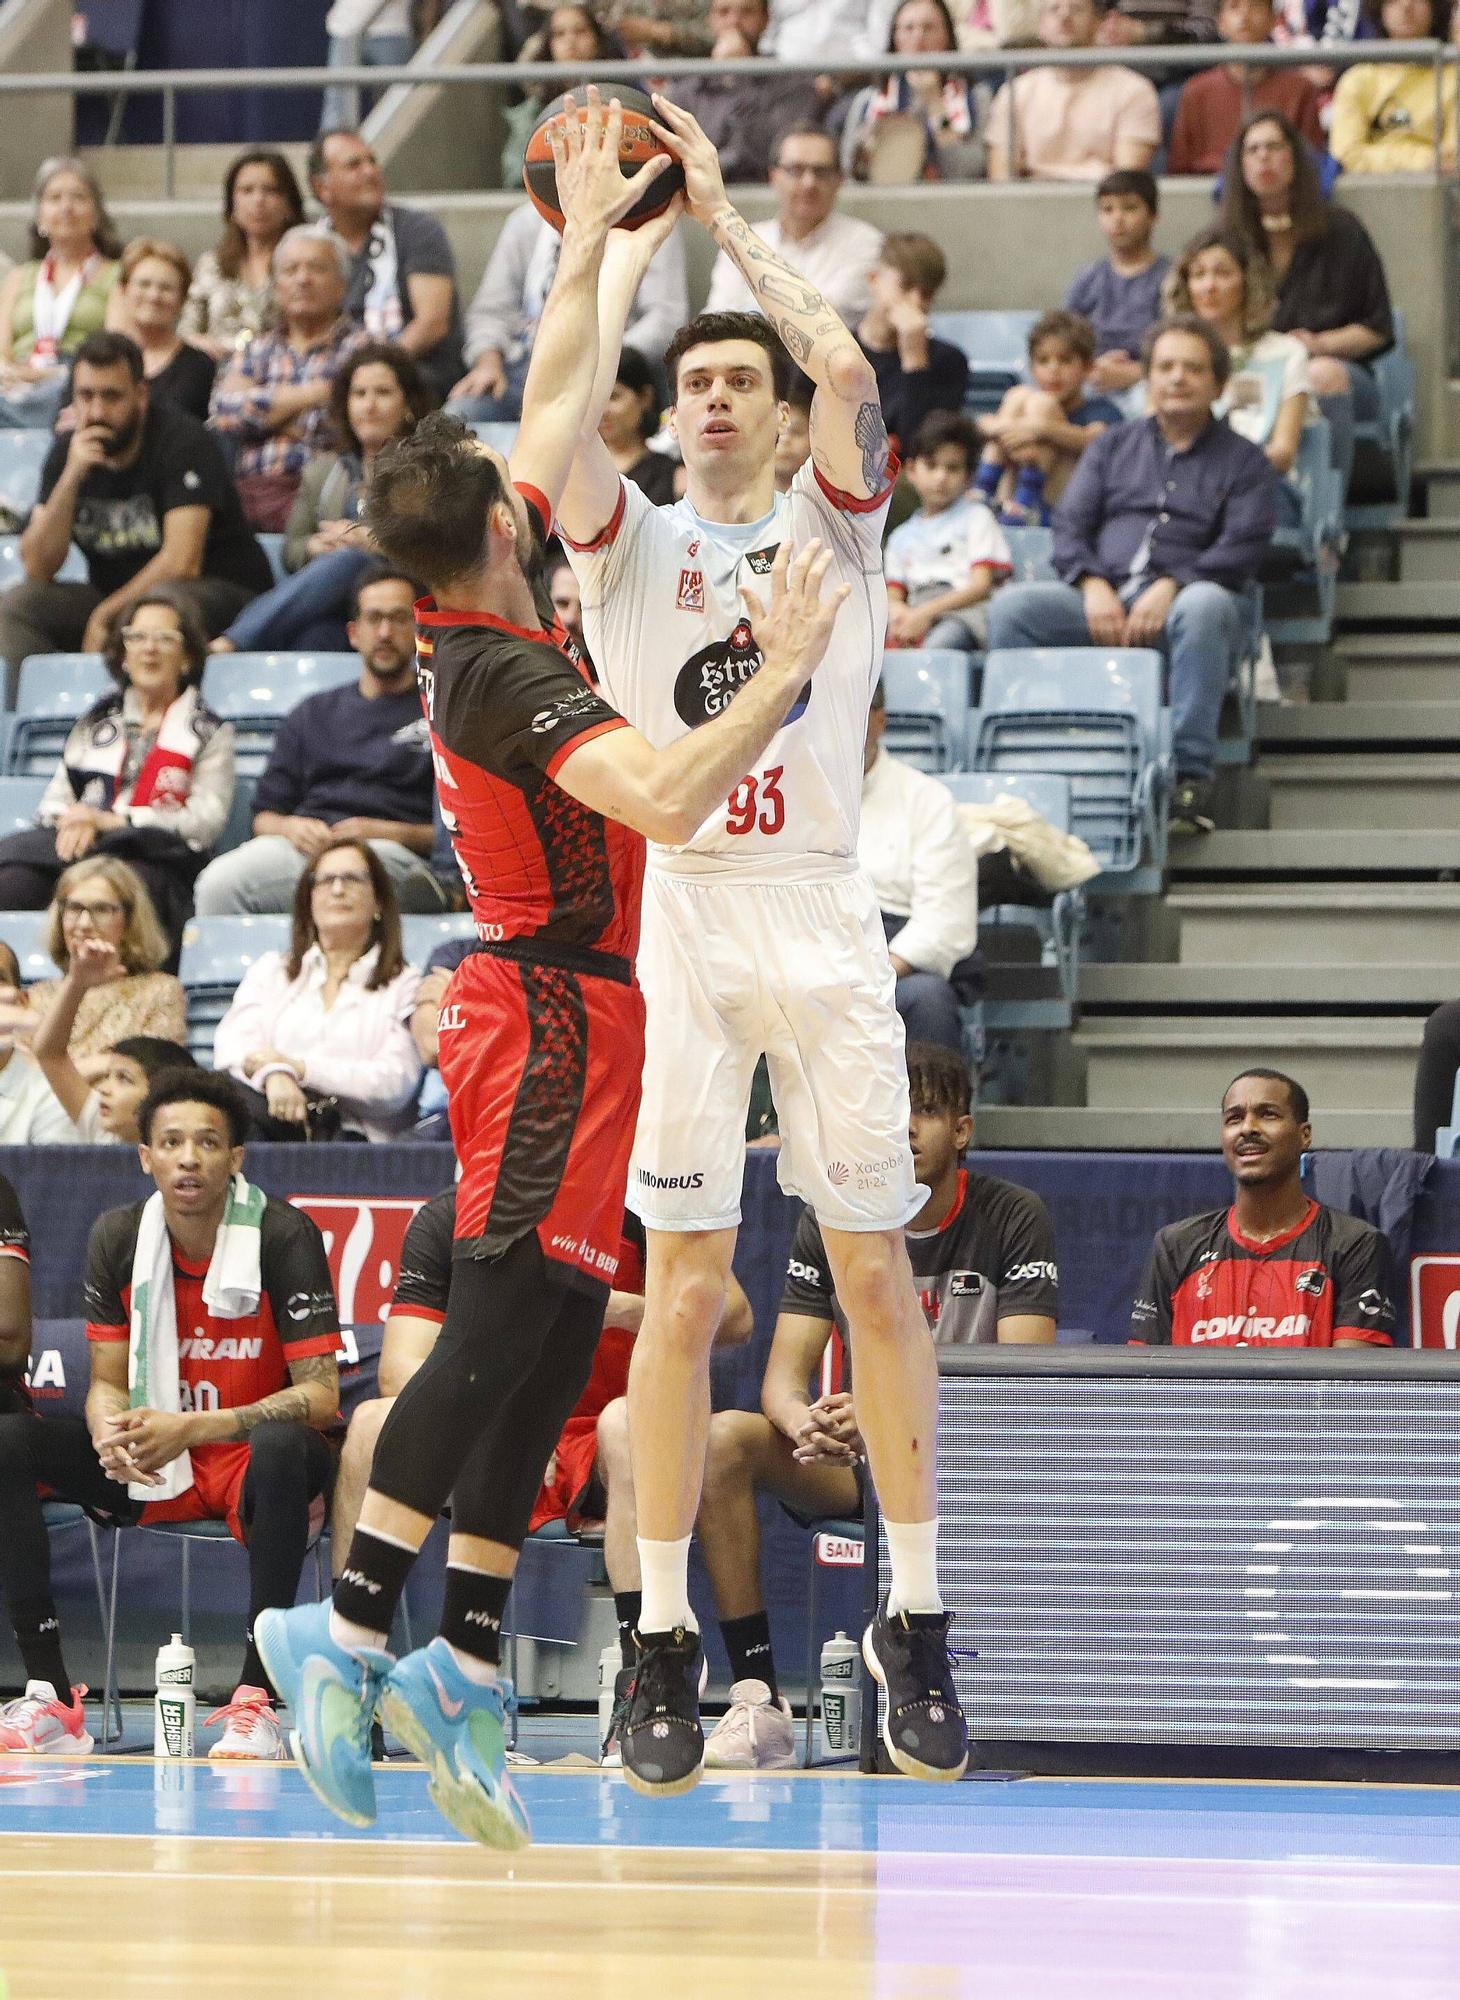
[
  {"x": 609, "y": 1662},
  {"x": 841, "y": 1697},
  {"x": 174, "y": 1709}
]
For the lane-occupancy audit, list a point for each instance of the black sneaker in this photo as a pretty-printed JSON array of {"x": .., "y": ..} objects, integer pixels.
[
  {"x": 907, "y": 1655},
  {"x": 1191, "y": 808},
  {"x": 611, "y": 1751},
  {"x": 661, "y": 1741}
]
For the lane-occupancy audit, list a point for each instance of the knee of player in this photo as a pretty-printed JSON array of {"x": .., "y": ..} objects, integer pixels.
[
  {"x": 873, "y": 1282},
  {"x": 613, "y": 1443},
  {"x": 690, "y": 1310},
  {"x": 364, "y": 1433},
  {"x": 731, "y": 1453},
  {"x": 278, "y": 1443}
]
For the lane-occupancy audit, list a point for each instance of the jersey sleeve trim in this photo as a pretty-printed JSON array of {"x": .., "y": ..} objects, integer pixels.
[
  {"x": 852, "y": 503},
  {"x": 408, "y": 1309},
  {"x": 317, "y": 1343},
  {"x": 15, "y": 1250},
  {"x": 1370, "y": 1336},
  {"x": 606, "y": 534},
  {"x": 555, "y": 762},
  {"x": 537, "y": 500},
  {"x": 96, "y": 1331}
]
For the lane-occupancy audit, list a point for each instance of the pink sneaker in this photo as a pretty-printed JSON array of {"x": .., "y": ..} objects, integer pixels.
[
  {"x": 253, "y": 1728},
  {"x": 40, "y": 1724}
]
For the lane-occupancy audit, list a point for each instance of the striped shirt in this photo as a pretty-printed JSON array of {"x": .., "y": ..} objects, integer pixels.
[{"x": 244, "y": 394}]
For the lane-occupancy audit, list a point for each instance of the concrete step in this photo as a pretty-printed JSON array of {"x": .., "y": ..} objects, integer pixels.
[
  {"x": 1399, "y": 603},
  {"x": 1140, "y": 1063},
  {"x": 1311, "y": 988},
  {"x": 1399, "y": 666},
  {"x": 1263, "y": 853},
  {"x": 1441, "y": 482},
  {"x": 1075, "y": 1128},
  {"x": 1312, "y": 725},
  {"x": 1346, "y": 793},
  {"x": 1318, "y": 924},
  {"x": 1429, "y": 551}
]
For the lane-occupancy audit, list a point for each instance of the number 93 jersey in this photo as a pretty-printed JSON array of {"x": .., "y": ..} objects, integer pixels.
[{"x": 672, "y": 642}]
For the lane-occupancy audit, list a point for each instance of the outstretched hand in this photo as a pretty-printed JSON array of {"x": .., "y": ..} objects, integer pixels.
[
  {"x": 794, "y": 628},
  {"x": 592, "y": 189},
  {"x": 704, "y": 184}
]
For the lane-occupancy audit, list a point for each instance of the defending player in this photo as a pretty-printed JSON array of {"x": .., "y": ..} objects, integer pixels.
[
  {"x": 546, "y": 792},
  {"x": 761, "y": 935}
]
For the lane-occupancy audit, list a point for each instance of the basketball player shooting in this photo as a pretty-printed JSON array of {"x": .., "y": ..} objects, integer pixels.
[
  {"x": 546, "y": 792},
  {"x": 760, "y": 935}
]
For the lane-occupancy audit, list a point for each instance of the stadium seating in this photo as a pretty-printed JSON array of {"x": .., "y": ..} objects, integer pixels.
[
  {"x": 421, "y": 935},
  {"x": 55, "y": 688},
  {"x": 997, "y": 346},
  {"x": 20, "y": 800},
  {"x": 238, "y": 827},
  {"x": 25, "y": 932},
  {"x": 1299, "y": 608},
  {"x": 216, "y": 953},
  {"x": 927, "y": 707},
  {"x": 12, "y": 569},
  {"x": 1094, "y": 715},
  {"x": 255, "y": 691},
  {"x": 1384, "y": 444},
  {"x": 501, "y": 437},
  {"x": 22, "y": 456},
  {"x": 1032, "y": 553}
]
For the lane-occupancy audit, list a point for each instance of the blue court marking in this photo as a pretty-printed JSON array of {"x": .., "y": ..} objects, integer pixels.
[{"x": 1166, "y": 1822}]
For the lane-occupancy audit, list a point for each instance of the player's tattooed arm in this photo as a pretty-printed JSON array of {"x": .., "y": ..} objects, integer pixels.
[
  {"x": 313, "y": 1397},
  {"x": 870, "y": 433}
]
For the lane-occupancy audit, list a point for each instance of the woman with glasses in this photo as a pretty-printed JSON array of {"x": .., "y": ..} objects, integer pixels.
[
  {"x": 146, "y": 775},
  {"x": 319, "y": 1034}
]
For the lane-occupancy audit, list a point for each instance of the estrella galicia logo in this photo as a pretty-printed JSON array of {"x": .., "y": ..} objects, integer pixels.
[{"x": 709, "y": 680}]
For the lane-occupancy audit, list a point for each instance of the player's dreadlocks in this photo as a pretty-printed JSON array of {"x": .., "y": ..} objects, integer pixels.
[{"x": 938, "y": 1079}]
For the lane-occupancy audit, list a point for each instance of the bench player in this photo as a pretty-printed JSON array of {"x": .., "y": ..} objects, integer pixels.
[
  {"x": 761, "y": 935},
  {"x": 546, "y": 792}
]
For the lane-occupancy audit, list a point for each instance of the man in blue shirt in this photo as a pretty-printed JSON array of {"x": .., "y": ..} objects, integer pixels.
[
  {"x": 352, "y": 760},
  {"x": 1163, "y": 525}
]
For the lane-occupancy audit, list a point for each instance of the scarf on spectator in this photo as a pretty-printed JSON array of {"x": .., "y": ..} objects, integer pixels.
[
  {"x": 381, "y": 310},
  {"x": 96, "y": 755},
  {"x": 230, "y": 1291},
  {"x": 959, "y": 112}
]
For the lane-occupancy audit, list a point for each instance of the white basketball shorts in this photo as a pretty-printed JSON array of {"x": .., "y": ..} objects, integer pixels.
[{"x": 796, "y": 971}]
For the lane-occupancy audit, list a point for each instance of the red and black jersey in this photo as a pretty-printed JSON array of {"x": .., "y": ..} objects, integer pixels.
[
  {"x": 1207, "y": 1285},
  {"x": 505, "y": 708},
  {"x": 15, "y": 1243}
]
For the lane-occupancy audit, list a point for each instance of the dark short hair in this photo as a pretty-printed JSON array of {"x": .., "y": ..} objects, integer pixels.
[
  {"x": 391, "y": 961},
  {"x": 1297, "y": 1096},
  {"x": 1200, "y": 329},
  {"x": 315, "y": 161},
  {"x": 154, "y": 1056},
  {"x": 799, "y": 390},
  {"x": 804, "y": 128},
  {"x": 938, "y": 1079},
  {"x": 379, "y": 573},
  {"x": 705, "y": 328},
  {"x": 638, "y": 374},
  {"x": 180, "y": 1085},
  {"x": 428, "y": 500},
  {"x": 384, "y": 353},
  {"x": 109, "y": 350},
  {"x": 1131, "y": 180},
  {"x": 916, "y": 258},
  {"x": 945, "y": 427},
  {"x": 1072, "y": 328},
  {"x": 189, "y": 623}
]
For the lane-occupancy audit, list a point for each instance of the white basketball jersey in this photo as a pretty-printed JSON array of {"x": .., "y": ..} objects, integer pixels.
[{"x": 670, "y": 638}]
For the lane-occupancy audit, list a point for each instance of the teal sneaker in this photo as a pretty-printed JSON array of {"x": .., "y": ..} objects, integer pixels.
[
  {"x": 331, "y": 1695},
  {"x": 457, "y": 1729}
]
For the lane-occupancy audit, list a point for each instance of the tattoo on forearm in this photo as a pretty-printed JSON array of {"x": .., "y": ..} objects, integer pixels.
[
  {"x": 781, "y": 292},
  {"x": 870, "y": 433},
  {"x": 291, "y": 1405}
]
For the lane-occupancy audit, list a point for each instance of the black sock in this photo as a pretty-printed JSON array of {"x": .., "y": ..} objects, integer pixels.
[
  {"x": 254, "y": 1674},
  {"x": 748, "y": 1642},
  {"x": 627, "y": 1604},
  {"x": 471, "y": 1617},
  {"x": 369, "y": 1587},
  {"x": 38, "y": 1634}
]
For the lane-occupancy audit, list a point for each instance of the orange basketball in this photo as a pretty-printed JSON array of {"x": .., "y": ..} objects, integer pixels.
[{"x": 637, "y": 144}]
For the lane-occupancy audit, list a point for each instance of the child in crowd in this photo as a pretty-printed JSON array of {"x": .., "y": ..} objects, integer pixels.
[
  {"x": 943, "y": 563},
  {"x": 1120, "y": 294},
  {"x": 917, "y": 373},
  {"x": 1034, "y": 441},
  {"x": 104, "y": 1112}
]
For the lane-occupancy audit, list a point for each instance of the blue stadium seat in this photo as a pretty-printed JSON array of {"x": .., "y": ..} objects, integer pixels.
[
  {"x": 421, "y": 935},
  {"x": 1386, "y": 441},
  {"x": 25, "y": 932},
  {"x": 238, "y": 827},
  {"x": 1094, "y": 715},
  {"x": 54, "y": 689},
  {"x": 22, "y": 455},
  {"x": 20, "y": 800},
  {"x": 1299, "y": 608},
  {"x": 501, "y": 437},
  {"x": 255, "y": 691},
  {"x": 927, "y": 707},
  {"x": 997, "y": 346},
  {"x": 216, "y": 953},
  {"x": 12, "y": 569},
  {"x": 1032, "y": 552},
  {"x": 273, "y": 548}
]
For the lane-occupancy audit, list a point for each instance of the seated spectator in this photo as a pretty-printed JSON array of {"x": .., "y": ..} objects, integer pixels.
[
  {"x": 925, "y": 124},
  {"x": 1072, "y": 124},
  {"x": 143, "y": 491},
  {"x": 1276, "y": 1269},
  {"x": 273, "y": 400},
  {"x": 811, "y": 30},
  {"x": 364, "y": 34},
  {"x": 501, "y": 321},
  {"x": 743, "y": 119},
  {"x": 1120, "y": 295},
  {"x": 146, "y": 775},
  {"x": 567, "y": 600},
  {"x": 944, "y": 561},
  {"x": 242, "y": 1441},
  {"x": 572, "y": 35},
  {"x": 917, "y": 373},
  {"x": 351, "y": 762},
  {"x": 983, "y": 1260},
  {"x": 1216, "y": 103},
  {"x": 663, "y": 27},
  {"x": 793, "y": 440},
  {"x": 1387, "y": 118},
  {"x": 630, "y": 418},
  {"x": 377, "y": 396},
  {"x": 1036, "y": 437},
  {"x": 1222, "y": 280},
  {"x": 149, "y": 301},
  {"x": 1434, "y": 1078},
  {"x": 402, "y": 279},
  {"x": 431, "y": 1110},
  {"x": 914, "y": 849},
  {"x": 832, "y": 251},
  {"x": 104, "y": 1111},
  {"x": 231, "y": 299},
  {"x": 1331, "y": 291},
  {"x": 15, "y": 1323},
  {"x": 1163, "y": 525},
  {"x": 30, "y": 1112},
  {"x": 318, "y": 1032},
  {"x": 60, "y": 295}
]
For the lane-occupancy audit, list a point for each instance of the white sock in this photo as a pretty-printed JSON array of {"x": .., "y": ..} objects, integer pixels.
[
  {"x": 482, "y": 1672},
  {"x": 912, "y": 1550},
  {"x": 356, "y": 1638},
  {"x": 664, "y": 1573}
]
